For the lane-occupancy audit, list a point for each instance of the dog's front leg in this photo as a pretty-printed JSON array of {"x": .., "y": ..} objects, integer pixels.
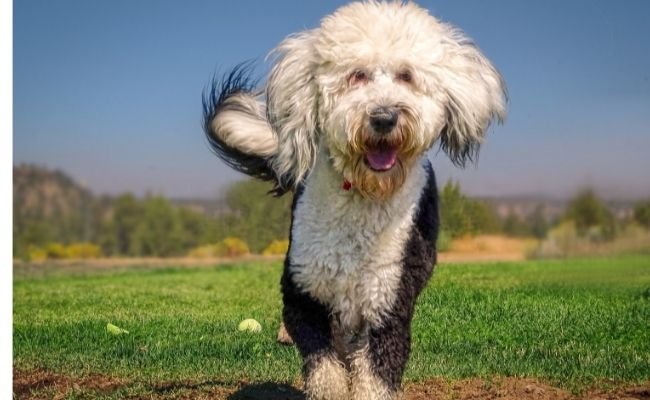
[
  {"x": 307, "y": 321},
  {"x": 378, "y": 365}
]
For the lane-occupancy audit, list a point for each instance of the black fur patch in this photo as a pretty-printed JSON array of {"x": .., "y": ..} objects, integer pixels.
[
  {"x": 390, "y": 345},
  {"x": 306, "y": 320},
  {"x": 458, "y": 153}
]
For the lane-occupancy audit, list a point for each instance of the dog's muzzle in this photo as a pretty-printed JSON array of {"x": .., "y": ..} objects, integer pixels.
[
  {"x": 382, "y": 149},
  {"x": 383, "y": 119}
]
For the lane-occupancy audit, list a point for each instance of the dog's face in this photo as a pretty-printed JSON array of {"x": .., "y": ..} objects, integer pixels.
[
  {"x": 373, "y": 125},
  {"x": 378, "y": 111},
  {"x": 378, "y": 84}
]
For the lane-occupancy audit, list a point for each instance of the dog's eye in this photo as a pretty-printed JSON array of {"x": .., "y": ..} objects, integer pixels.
[
  {"x": 358, "y": 77},
  {"x": 405, "y": 76}
]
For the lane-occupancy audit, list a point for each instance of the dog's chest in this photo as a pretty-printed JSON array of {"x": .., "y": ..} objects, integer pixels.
[{"x": 347, "y": 253}]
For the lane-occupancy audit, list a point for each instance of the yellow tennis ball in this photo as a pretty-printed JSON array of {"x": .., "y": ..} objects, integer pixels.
[{"x": 250, "y": 325}]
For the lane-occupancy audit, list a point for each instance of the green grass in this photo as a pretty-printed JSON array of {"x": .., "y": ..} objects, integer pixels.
[{"x": 573, "y": 323}]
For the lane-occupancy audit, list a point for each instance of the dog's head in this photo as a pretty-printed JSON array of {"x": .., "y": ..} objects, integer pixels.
[{"x": 378, "y": 84}]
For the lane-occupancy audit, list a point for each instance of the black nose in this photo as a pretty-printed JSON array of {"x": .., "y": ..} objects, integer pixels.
[{"x": 383, "y": 119}]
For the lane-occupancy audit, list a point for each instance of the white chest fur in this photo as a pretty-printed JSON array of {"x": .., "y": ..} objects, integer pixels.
[{"x": 347, "y": 251}]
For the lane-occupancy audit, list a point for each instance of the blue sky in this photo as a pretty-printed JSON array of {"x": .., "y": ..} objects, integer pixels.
[{"x": 109, "y": 91}]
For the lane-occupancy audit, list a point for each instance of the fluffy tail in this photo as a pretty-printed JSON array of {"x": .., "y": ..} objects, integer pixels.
[{"x": 234, "y": 121}]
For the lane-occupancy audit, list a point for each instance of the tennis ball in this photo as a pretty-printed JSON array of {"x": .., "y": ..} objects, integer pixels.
[
  {"x": 250, "y": 325},
  {"x": 115, "y": 330}
]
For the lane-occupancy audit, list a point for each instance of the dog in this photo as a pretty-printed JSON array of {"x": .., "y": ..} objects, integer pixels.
[{"x": 344, "y": 121}]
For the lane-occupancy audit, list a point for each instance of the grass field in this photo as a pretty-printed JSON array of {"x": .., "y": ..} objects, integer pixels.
[{"x": 575, "y": 324}]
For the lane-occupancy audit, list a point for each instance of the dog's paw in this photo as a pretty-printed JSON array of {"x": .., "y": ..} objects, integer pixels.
[
  {"x": 328, "y": 380},
  {"x": 283, "y": 336}
]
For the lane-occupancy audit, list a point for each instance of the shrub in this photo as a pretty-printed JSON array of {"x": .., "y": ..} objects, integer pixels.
[
  {"x": 55, "y": 251},
  {"x": 276, "y": 247},
  {"x": 231, "y": 247},
  {"x": 206, "y": 251},
  {"x": 58, "y": 251},
  {"x": 35, "y": 253},
  {"x": 565, "y": 240},
  {"x": 83, "y": 250}
]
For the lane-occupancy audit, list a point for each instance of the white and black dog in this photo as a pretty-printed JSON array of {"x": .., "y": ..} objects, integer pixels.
[{"x": 344, "y": 121}]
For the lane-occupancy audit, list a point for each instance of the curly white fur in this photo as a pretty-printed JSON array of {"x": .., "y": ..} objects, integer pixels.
[
  {"x": 243, "y": 126},
  {"x": 364, "y": 384},
  {"x": 349, "y": 253},
  {"x": 451, "y": 95},
  {"x": 328, "y": 381}
]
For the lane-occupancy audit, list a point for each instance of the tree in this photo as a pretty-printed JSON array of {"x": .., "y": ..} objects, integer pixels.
[
  {"x": 460, "y": 215},
  {"x": 514, "y": 225},
  {"x": 159, "y": 231},
  {"x": 642, "y": 213},
  {"x": 126, "y": 215},
  {"x": 537, "y": 223},
  {"x": 587, "y": 211},
  {"x": 195, "y": 228},
  {"x": 482, "y": 217},
  {"x": 256, "y": 216},
  {"x": 453, "y": 218}
]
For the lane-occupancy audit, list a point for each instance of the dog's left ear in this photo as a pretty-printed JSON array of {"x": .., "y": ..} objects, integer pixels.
[
  {"x": 291, "y": 95},
  {"x": 475, "y": 93}
]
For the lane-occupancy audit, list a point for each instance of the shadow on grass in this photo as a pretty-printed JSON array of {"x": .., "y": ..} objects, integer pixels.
[{"x": 267, "y": 391}]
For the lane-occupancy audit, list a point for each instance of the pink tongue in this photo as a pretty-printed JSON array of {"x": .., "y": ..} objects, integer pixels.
[{"x": 381, "y": 159}]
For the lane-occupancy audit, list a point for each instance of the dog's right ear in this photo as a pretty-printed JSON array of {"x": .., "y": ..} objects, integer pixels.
[
  {"x": 475, "y": 93},
  {"x": 291, "y": 95}
]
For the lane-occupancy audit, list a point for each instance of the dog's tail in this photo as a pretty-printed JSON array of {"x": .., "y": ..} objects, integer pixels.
[{"x": 234, "y": 121}]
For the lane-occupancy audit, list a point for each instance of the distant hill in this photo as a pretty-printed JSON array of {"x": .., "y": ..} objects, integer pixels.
[
  {"x": 50, "y": 206},
  {"x": 40, "y": 192}
]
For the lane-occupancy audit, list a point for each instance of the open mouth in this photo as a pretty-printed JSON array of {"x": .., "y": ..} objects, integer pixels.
[{"x": 381, "y": 158}]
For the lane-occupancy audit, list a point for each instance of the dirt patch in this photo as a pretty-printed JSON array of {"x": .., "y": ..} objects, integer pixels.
[
  {"x": 487, "y": 248},
  {"x": 516, "y": 389},
  {"x": 40, "y": 384},
  {"x": 491, "y": 244}
]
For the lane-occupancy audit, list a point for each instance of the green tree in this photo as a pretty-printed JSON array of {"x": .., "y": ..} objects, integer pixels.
[
  {"x": 195, "y": 227},
  {"x": 537, "y": 223},
  {"x": 642, "y": 213},
  {"x": 256, "y": 216},
  {"x": 159, "y": 231},
  {"x": 588, "y": 212},
  {"x": 514, "y": 225},
  {"x": 126, "y": 216},
  {"x": 460, "y": 215},
  {"x": 453, "y": 218},
  {"x": 482, "y": 217}
]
